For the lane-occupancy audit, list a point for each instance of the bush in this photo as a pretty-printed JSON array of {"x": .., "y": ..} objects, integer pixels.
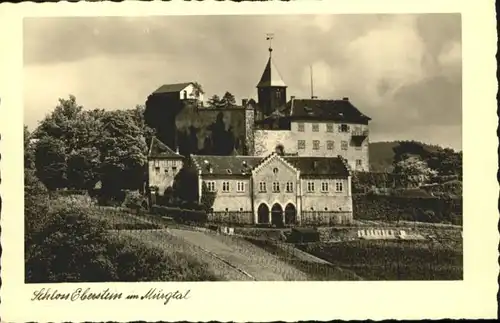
[
  {"x": 180, "y": 215},
  {"x": 70, "y": 248},
  {"x": 36, "y": 204},
  {"x": 134, "y": 200},
  {"x": 73, "y": 247}
]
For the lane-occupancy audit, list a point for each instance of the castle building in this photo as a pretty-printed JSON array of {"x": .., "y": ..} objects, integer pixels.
[
  {"x": 163, "y": 165},
  {"x": 277, "y": 190},
  {"x": 269, "y": 162}
]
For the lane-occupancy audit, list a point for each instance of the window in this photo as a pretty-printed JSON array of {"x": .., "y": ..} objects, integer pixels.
[
  {"x": 289, "y": 187},
  {"x": 225, "y": 186},
  {"x": 344, "y": 128},
  {"x": 315, "y": 144},
  {"x": 329, "y": 145},
  {"x": 156, "y": 163},
  {"x": 359, "y": 162},
  {"x": 210, "y": 186},
  {"x": 329, "y": 127},
  {"x": 174, "y": 170},
  {"x": 339, "y": 187},
  {"x": 240, "y": 186},
  {"x": 185, "y": 94},
  {"x": 278, "y": 95},
  {"x": 276, "y": 187},
  {"x": 262, "y": 187},
  {"x": 315, "y": 127},
  {"x": 301, "y": 144},
  {"x": 300, "y": 127},
  {"x": 344, "y": 145},
  {"x": 275, "y": 170},
  {"x": 324, "y": 187},
  {"x": 310, "y": 186},
  {"x": 166, "y": 170},
  {"x": 157, "y": 170}
]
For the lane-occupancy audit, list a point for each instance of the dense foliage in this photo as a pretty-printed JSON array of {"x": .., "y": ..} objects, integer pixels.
[
  {"x": 69, "y": 242},
  {"x": 77, "y": 148},
  {"x": 445, "y": 161},
  {"x": 394, "y": 260},
  {"x": 401, "y": 208}
]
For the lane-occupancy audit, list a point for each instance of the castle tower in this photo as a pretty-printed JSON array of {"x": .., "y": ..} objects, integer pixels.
[{"x": 271, "y": 88}]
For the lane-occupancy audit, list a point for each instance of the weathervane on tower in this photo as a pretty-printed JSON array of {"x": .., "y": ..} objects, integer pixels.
[{"x": 270, "y": 37}]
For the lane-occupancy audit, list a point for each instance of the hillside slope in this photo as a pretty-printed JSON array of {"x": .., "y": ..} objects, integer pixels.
[{"x": 382, "y": 155}]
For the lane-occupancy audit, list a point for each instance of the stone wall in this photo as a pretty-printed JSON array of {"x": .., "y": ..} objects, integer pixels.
[{"x": 266, "y": 141}]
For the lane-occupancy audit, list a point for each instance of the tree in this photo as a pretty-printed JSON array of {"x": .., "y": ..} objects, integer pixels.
[
  {"x": 29, "y": 152},
  {"x": 197, "y": 90},
  {"x": 123, "y": 152},
  {"x": 83, "y": 168},
  {"x": 50, "y": 162},
  {"x": 414, "y": 170},
  {"x": 446, "y": 161},
  {"x": 228, "y": 100},
  {"x": 214, "y": 101},
  {"x": 207, "y": 198},
  {"x": 184, "y": 183}
]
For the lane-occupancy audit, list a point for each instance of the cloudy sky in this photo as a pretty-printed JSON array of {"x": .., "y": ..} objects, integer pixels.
[{"x": 404, "y": 71}]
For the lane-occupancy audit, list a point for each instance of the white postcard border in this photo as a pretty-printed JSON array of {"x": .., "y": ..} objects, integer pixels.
[{"x": 474, "y": 297}]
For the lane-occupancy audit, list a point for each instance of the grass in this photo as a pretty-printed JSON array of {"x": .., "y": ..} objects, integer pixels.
[
  {"x": 394, "y": 260},
  {"x": 314, "y": 271},
  {"x": 120, "y": 219}
]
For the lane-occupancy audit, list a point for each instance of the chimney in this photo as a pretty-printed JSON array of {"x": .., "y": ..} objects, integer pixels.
[
  {"x": 292, "y": 97},
  {"x": 345, "y": 98}
]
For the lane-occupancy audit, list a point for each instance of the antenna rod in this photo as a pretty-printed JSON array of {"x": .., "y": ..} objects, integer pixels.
[
  {"x": 312, "y": 87},
  {"x": 270, "y": 37}
]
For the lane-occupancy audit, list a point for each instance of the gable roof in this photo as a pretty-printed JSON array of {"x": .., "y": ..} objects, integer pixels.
[
  {"x": 271, "y": 76},
  {"x": 234, "y": 165},
  {"x": 226, "y": 165},
  {"x": 319, "y": 166},
  {"x": 333, "y": 110},
  {"x": 158, "y": 149},
  {"x": 172, "y": 88}
]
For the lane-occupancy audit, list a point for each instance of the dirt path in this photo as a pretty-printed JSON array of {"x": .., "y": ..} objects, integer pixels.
[{"x": 249, "y": 258}]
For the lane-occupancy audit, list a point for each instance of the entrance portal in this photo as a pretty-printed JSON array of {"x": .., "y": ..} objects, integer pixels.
[
  {"x": 263, "y": 214},
  {"x": 277, "y": 215},
  {"x": 290, "y": 214}
]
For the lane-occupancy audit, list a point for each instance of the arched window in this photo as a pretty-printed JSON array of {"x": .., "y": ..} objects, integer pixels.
[{"x": 185, "y": 94}]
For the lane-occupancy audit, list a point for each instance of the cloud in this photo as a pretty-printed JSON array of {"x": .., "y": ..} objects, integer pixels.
[{"x": 404, "y": 71}]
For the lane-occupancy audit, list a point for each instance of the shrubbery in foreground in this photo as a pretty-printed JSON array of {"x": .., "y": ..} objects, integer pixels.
[{"x": 64, "y": 244}]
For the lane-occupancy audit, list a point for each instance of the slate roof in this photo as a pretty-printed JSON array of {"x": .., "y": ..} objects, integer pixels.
[
  {"x": 158, "y": 149},
  {"x": 319, "y": 166},
  {"x": 221, "y": 164},
  {"x": 172, "y": 88},
  {"x": 271, "y": 76},
  {"x": 308, "y": 166},
  {"x": 333, "y": 110}
]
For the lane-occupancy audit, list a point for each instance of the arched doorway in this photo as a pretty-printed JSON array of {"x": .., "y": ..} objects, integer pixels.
[
  {"x": 290, "y": 214},
  {"x": 277, "y": 215},
  {"x": 263, "y": 214}
]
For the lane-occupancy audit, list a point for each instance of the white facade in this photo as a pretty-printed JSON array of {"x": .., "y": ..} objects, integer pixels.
[
  {"x": 318, "y": 139},
  {"x": 189, "y": 93}
]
